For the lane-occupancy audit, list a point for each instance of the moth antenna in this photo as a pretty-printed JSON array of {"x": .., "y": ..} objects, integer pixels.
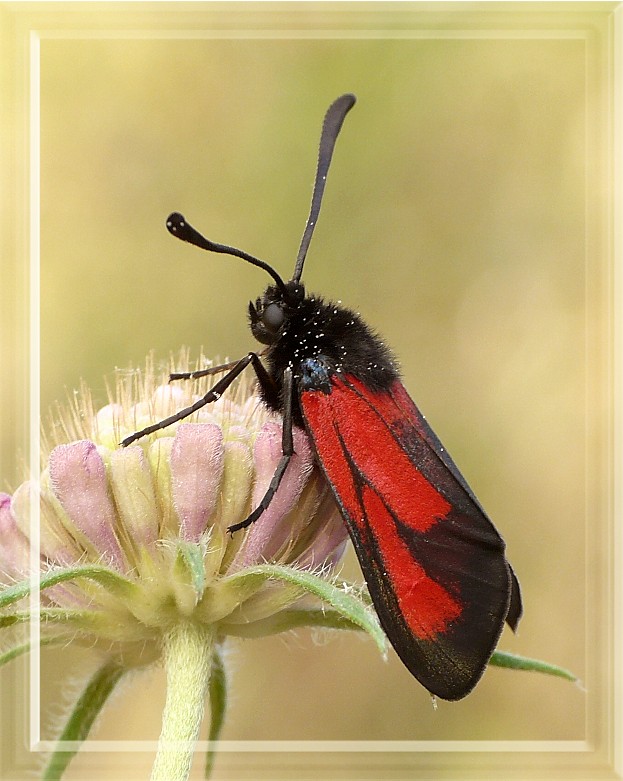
[
  {"x": 178, "y": 227},
  {"x": 331, "y": 127}
]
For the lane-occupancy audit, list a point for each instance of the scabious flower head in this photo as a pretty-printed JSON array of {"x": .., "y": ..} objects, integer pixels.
[
  {"x": 133, "y": 557},
  {"x": 143, "y": 529}
]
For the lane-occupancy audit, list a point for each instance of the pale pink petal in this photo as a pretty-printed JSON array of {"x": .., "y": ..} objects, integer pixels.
[
  {"x": 108, "y": 417},
  {"x": 329, "y": 539},
  {"x": 55, "y": 542},
  {"x": 196, "y": 471},
  {"x": 236, "y": 433},
  {"x": 14, "y": 548},
  {"x": 159, "y": 458},
  {"x": 15, "y": 555},
  {"x": 130, "y": 479},
  {"x": 78, "y": 479},
  {"x": 236, "y": 483},
  {"x": 270, "y": 531},
  {"x": 167, "y": 399}
]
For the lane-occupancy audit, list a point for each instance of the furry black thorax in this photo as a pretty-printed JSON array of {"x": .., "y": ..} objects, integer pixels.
[{"x": 317, "y": 332}]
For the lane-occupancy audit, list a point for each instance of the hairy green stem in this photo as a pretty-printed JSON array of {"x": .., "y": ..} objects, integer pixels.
[{"x": 188, "y": 651}]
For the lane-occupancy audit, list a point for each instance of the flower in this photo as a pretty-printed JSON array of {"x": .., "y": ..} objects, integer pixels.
[
  {"x": 135, "y": 554},
  {"x": 141, "y": 513}
]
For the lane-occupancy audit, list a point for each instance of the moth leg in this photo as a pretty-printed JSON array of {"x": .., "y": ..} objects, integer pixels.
[
  {"x": 223, "y": 367},
  {"x": 287, "y": 451},
  {"x": 212, "y": 395}
]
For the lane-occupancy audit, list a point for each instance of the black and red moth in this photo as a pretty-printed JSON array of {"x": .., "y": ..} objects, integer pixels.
[{"x": 433, "y": 561}]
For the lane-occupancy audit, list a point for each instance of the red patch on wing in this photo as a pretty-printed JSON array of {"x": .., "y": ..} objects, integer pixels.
[
  {"x": 372, "y": 446},
  {"x": 377, "y": 484},
  {"x": 426, "y": 606}
]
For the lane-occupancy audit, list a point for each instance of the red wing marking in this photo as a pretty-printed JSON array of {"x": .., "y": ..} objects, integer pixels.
[
  {"x": 378, "y": 485},
  {"x": 376, "y": 453},
  {"x": 426, "y": 606}
]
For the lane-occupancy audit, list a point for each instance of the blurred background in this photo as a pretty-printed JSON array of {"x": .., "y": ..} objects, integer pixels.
[{"x": 453, "y": 221}]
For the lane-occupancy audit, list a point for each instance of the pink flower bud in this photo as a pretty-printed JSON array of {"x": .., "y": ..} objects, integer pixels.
[
  {"x": 55, "y": 542},
  {"x": 272, "y": 528},
  {"x": 131, "y": 482},
  {"x": 196, "y": 471},
  {"x": 14, "y": 548},
  {"x": 78, "y": 478}
]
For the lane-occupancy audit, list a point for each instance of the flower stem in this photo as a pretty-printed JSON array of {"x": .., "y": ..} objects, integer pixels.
[{"x": 187, "y": 658}]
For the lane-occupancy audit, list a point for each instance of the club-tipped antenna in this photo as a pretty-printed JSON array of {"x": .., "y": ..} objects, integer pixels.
[
  {"x": 178, "y": 227},
  {"x": 331, "y": 126}
]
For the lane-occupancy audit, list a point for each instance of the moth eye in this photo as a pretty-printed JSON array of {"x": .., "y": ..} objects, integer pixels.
[{"x": 273, "y": 317}]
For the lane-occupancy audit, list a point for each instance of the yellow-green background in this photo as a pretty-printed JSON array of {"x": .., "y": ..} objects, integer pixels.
[{"x": 454, "y": 220}]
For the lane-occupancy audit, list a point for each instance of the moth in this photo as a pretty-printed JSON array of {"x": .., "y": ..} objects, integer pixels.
[{"x": 434, "y": 563}]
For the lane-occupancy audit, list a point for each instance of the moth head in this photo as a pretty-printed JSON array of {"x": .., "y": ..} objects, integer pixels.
[{"x": 269, "y": 315}]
